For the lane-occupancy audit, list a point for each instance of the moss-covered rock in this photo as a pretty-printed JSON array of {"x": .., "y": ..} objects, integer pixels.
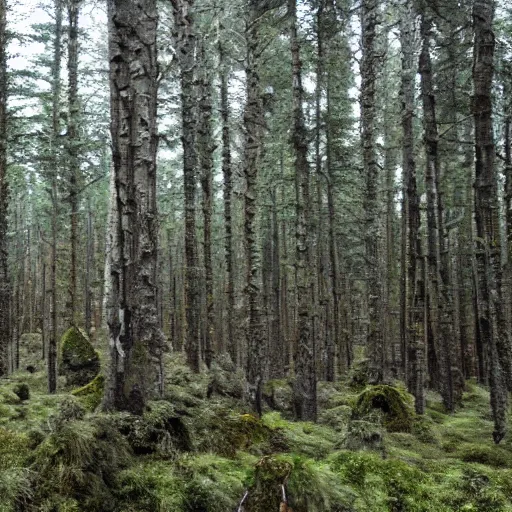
[
  {"x": 80, "y": 362},
  {"x": 395, "y": 404},
  {"x": 91, "y": 394}
]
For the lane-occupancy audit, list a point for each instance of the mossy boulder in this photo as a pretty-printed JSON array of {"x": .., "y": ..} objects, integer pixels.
[
  {"x": 395, "y": 404},
  {"x": 80, "y": 362},
  {"x": 92, "y": 393}
]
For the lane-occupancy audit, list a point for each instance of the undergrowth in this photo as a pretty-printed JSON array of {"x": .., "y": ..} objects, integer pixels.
[{"x": 202, "y": 450}]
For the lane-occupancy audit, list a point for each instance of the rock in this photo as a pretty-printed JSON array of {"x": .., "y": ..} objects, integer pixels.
[{"x": 80, "y": 362}]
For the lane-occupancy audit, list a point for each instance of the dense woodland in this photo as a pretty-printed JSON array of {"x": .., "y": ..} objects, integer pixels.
[{"x": 255, "y": 255}]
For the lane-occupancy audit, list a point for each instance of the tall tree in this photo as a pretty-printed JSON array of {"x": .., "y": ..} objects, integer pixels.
[
  {"x": 186, "y": 45},
  {"x": 369, "y": 21},
  {"x": 305, "y": 400},
  {"x": 53, "y": 172},
  {"x": 5, "y": 290},
  {"x": 490, "y": 312},
  {"x": 439, "y": 296},
  {"x": 253, "y": 127},
  {"x": 412, "y": 262},
  {"x": 136, "y": 341},
  {"x": 205, "y": 153},
  {"x": 73, "y": 141}
]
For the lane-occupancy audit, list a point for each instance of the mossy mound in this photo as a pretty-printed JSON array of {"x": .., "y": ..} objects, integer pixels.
[
  {"x": 22, "y": 391},
  {"x": 78, "y": 462},
  {"x": 395, "y": 404},
  {"x": 159, "y": 431},
  {"x": 223, "y": 430},
  {"x": 303, "y": 484},
  {"x": 493, "y": 456},
  {"x": 91, "y": 394},
  {"x": 80, "y": 362}
]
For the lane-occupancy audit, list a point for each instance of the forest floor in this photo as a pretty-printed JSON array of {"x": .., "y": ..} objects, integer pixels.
[{"x": 200, "y": 450}]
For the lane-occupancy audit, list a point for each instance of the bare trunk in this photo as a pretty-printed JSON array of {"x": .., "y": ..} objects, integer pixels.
[
  {"x": 232, "y": 344},
  {"x": 56, "y": 87},
  {"x": 5, "y": 287},
  {"x": 136, "y": 341},
  {"x": 74, "y": 169},
  {"x": 206, "y": 148},
  {"x": 487, "y": 219},
  {"x": 371, "y": 201},
  {"x": 186, "y": 42},
  {"x": 253, "y": 124},
  {"x": 305, "y": 401}
]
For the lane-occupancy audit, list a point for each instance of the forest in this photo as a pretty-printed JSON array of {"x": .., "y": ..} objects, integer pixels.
[{"x": 255, "y": 255}]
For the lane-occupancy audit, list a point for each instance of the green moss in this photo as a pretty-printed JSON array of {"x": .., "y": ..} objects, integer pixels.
[
  {"x": 91, "y": 394},
  {"x": 310, "y": 439},
  {"x": 213, "y": 483},
  {"x": 80, "y": 362},
  {"x": 224, "y": 431},
  {"x": 396, "y": 405},
  {"x": 160, "y": 431},
  {"x": 79, "y": 460},
  {"x": 489, "y": 455},
  {"x": 151, "y": 485}
]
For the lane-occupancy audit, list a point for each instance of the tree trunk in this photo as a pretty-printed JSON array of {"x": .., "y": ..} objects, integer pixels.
[
  {"x": 412, "y": 282},
  {"x": 73, "y": 141},
  {"x": 5, "y": 287},
  {"x": 253, "y": 124},
  {"x": 56, "y": 88},
  {"x": 372, "y": 235},
  {"x": 232, "y": 345},
  {"x": 136, "y": 342},
  {"x": 440, "y": 300},
  {"x": 305, "y": 401},
  {"x": 487, "y": 220},
  {"x": 186, "y": 43},
  {"x": 206, "y": 148}
]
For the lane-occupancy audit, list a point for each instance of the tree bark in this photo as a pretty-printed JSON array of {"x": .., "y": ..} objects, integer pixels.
[
  {"x": 56, "y": 89},
  {"x": 136, "y": 341},
  {"x": 369, "y": 15},
  {"x": 227, "y": 173},
  {"x": 412, "y": 281},
  {"x": 305, "y": 400},
  {"x": 440, "y": 299},
  {"x": 253, "y": 125},
  {"x": 186, "y": 46},
  {"x": 206, "y": 148},
  {"x": 487, "y": 220},
  {"x": 5, "y": 286},
  {"x": 72, "y": 143}
]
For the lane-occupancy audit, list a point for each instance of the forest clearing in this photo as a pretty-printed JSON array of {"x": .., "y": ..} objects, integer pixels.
[{"x": 255, "y": 255}]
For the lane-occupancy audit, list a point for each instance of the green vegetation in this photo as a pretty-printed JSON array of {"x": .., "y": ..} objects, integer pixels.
[
  {"x": 80, "y": 363},
  {"x": 191, "y": 453}
]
